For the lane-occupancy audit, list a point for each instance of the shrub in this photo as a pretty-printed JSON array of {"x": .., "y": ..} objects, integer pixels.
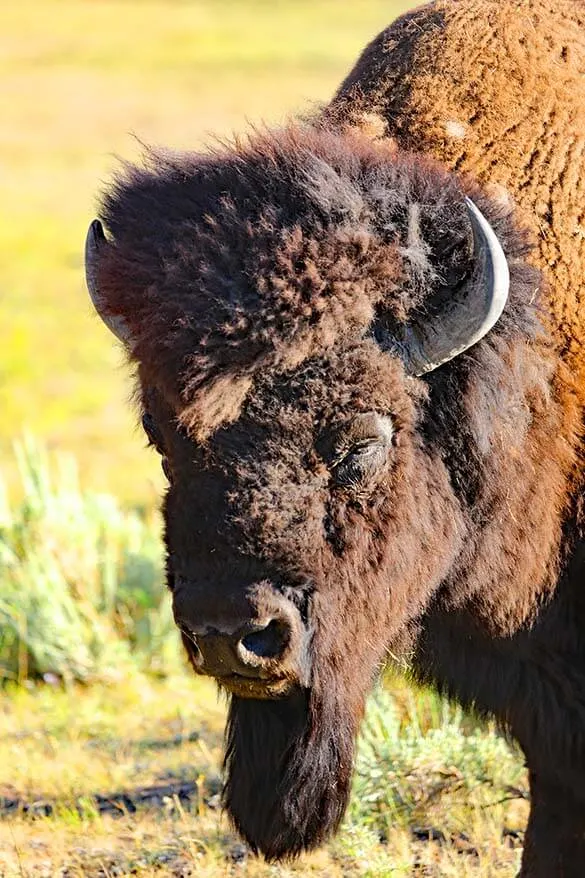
[
  {"x": 425, "y": 765},
  {"x": 81, "y": 584}
]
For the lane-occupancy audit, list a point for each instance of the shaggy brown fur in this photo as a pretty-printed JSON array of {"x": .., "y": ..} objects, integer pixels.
[
  {"x": 494, "y": 89},
  {"x": 312, "y": 479}
]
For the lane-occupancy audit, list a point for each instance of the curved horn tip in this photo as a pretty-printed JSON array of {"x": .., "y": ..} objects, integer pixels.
[
  {"x": 97, "y": 230},
  {"x": 499, "y": 263},
  {"x": 94, "y": 242},
  {"x": 477, "y": 323},
  {"x": 428, "y": 342}
]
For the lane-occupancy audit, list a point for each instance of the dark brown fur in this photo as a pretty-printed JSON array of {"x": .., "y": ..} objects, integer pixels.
[{"x": 253, "y": 281}]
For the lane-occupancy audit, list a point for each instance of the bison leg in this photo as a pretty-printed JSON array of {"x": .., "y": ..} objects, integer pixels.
[{"x": 555, "y": 836}]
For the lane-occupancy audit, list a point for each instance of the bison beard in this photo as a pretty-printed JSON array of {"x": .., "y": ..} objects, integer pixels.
[{"x": 289, "y": 765}]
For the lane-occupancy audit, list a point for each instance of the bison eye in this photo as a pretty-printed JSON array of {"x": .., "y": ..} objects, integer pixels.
[
  {"x": 363, "y": 449},
  {"x": 152, "y": 432},
  {"x": 360, "y": 463}
]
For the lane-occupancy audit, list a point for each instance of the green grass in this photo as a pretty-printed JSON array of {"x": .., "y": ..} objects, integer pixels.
[{"x": 79, "y": 80}]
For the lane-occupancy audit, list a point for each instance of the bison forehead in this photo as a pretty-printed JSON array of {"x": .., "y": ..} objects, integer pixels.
[
  {"x": 226, "y": 266},
  {"x": 293, "y": 294},
  {"x": 297, "y": 300}
]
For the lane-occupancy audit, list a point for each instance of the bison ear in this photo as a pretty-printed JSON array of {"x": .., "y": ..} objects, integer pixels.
[
  {"x": 95, "y": 247},
  {"x": 428, "y": 341}
]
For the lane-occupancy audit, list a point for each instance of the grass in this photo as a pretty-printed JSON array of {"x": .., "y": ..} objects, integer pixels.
[
  {"x": 80, "y": 81},
  {"x": 65, "y": 746}
]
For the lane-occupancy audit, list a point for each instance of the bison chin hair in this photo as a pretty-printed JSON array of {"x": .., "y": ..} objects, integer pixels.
[{"x": 288, "y": 769}]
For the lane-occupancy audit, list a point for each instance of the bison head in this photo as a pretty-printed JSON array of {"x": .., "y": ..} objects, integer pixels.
[{"x": 280, "y": 299}]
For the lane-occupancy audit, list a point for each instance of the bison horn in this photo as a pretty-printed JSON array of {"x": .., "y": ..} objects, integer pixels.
[
  {"x": 425, "y": 344},
  {"x": 94, "y": 246}
]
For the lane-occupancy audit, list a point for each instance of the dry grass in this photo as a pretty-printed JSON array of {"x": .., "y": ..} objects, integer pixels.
[{"x": 67, "y": 745}]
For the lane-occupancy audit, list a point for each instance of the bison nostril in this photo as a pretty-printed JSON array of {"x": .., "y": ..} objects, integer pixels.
[{"x": 269, "y": 642}]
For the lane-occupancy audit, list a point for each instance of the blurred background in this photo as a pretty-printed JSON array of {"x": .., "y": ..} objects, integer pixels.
[
  {"x": 83, "y": 83},
  {"x": 110, "y": 752}
]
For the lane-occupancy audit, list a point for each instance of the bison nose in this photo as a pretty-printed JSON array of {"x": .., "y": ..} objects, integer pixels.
[{"x": 246, "y": 652}]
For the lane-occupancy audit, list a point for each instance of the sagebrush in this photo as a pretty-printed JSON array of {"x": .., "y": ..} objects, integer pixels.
[{"x": 81, "y": 587}]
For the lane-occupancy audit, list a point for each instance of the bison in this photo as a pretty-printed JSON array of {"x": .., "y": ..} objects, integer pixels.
[{"x": 361, "y": 371}]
